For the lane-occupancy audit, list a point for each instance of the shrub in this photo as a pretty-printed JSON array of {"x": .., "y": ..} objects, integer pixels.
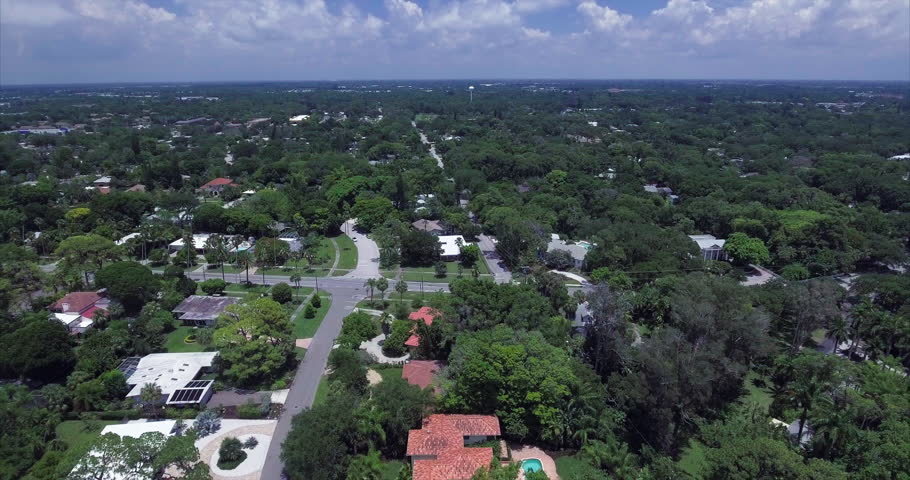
[
  {"x": 282, "y": 293},
  {"x": 213, "y": 286},
  {"x": 207, "y": 423},
  {"x": 440, "y": 269},
  {"x": 309, "y": 311},
  {"x": 230, "y": 453},
  {"x": 249, "y": 410},
  {"x": 357, "y": 327},
  {"x": 173, "y": 271},
  {"x": 250, "y": 443},
  {"x": 394, "y": 343},
  {"x": 316, "y": 302}
]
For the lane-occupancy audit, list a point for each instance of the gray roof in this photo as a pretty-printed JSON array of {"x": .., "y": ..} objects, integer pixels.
[
  {"x": 577, "y": 251},
  {"x": 202, "y": 307},
  {"x": 428, "y": 225}
]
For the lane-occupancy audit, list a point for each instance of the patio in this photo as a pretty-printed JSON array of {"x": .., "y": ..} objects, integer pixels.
[{"x": 524, "y": 452}]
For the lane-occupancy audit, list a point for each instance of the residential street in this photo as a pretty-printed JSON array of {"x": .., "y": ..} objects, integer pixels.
[
  {"x": 426, "y": 141},
  {"x": 488, "y": 248},
  {"x": 367, "y": 253}
]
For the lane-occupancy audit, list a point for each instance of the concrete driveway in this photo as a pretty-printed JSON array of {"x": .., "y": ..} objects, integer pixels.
[
  {"x": 488, "y": 247},
  {"x": 367, "y": 253}
]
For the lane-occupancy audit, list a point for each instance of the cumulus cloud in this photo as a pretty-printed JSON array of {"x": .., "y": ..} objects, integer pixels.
[
  {"x": 205, "y": 39},
  {"x": 603, "y": 18}
]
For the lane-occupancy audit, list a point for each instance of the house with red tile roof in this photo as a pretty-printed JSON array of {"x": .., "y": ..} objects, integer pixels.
[
  {"x": 425, "y": 314},
  {"x": 421, "y": 372},
  {"x": 76, "y": 310},
  {"x": 216, "y": 186},
  {"x": 440, "y": 451}
]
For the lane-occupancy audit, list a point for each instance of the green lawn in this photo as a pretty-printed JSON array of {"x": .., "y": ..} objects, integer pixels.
[
  {"x": 756, "y": 395},
  {"x": 303, "y": 271},
  {"x": 390, "y": 274},
  {"x": 228, "y": 269},
  {"x": 428, "y": 274},
  {"x": 340, "y": 273},
  {"x": 390, "y": 469},
  {"x": 175, "y": 343},
  {"x": 387, "y": 373},
  {"x": 348, "y": 260},
  {"x": 692, "y": 459},
  {"x": 322, "y": 392},
  {"x": 571, "y": 466},
  {"x": 393, "y": 298},
  {"x": 306, "y": 327},
  {"x": 73, "y": 432}
]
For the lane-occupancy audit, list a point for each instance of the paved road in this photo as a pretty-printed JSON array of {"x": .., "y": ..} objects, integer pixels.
[
  {"x": 426, "y": 141},
  {"x": 367, "y": 253},
  {"x": 327, "y": 284},
  {"x": 497, "y": 268},
  {"x": 306, "y": 381}
]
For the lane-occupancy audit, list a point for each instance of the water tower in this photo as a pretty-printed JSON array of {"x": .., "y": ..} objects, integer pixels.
[{"x": 471, "y": 90}]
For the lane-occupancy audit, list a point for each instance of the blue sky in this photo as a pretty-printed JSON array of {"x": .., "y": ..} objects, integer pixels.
[{"x": 66, "y": 41}]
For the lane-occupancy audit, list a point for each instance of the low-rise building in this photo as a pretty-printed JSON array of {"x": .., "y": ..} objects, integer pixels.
[
  {"x": 435, "y": 227},
  {"x": 202, "y": 310},
  {"x": 76, "y": 310},
  {"x": 176, "y": 374},
  {"x": 450, "y": 247},
  {"x": 578, "y": 251},
  {"x": 425, "y": 315},
  {"x": 216, "y": 186},
  {"x": 711, "y": 248},
  {"x": 421, "y": 373},
  {"x": 438, "y": 450}
]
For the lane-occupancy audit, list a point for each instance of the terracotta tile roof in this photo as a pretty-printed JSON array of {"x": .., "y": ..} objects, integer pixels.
[
  {"x": 442, "y": 437},
  {"x": 420, "y": 372},
  {"x": 459, "y": 465},
  {"x": 218, "y": 182},
  {"x": 427, "y": 314},
  {"x": 77, "y": 302}
]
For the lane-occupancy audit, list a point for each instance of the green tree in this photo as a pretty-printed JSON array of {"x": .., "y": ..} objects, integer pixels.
[
  {"x": 42, "y": 350},
  {"x": 365, "y": 467},
  {"x": 131, "y": 283},
  {"x": 401, "y": 287},
  {"x": 282, "y": 293},
  {"x": 382, "y": 284},
  {"x": 255, "y": 341},
  {"x": 747, "y": 250},
  {"x": 87, "y": 253},
  {"x": 213, "y": 286}
]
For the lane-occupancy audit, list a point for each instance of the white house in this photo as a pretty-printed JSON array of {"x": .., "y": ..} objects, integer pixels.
[
  {"x": 711, "y": 248},
  {"x": 175, "y": 374},
  {"x": 450, "y": 246}
]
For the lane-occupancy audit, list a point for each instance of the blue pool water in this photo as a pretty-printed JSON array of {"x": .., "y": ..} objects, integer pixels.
[{"x": 531, "y": 465}]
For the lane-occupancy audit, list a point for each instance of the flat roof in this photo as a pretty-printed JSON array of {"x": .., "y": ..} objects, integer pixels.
[
  {"x": 170, "y": 371},
  {"x": 126, "y": 238},
  {"x": 449, "y": 244}
]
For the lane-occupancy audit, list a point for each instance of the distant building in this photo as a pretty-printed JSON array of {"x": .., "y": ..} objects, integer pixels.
[
  {"x": 126, "y": 238},
  {"x": 216, "y": 186},
  {"x": 450, "y": 246},
  {"x": 176, "y": 374},
  {"x": 578, "y": 251},
  {"x": 299, "y": 118},
  {"x": 76, "y": 310},
  {"x": 711, "y": 248},
  {"x": 202, "y": 310},
  {"x": 438, "y": 450},
  {"x": 193, "y": 121},
  {"x": 434, "y": 227},
  {"x": 199, "y": 240}
]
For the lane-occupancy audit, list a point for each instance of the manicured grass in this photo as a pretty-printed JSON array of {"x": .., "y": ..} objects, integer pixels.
[
  {"x": 692, "y": 459},
  {"x": 175, "y": 341},
  {"x": 756, "y": 395},
  {"x": 390, "y": 469},
  {"x": 393, "y": 298},
  {"x": 387, "y": 373},
  {"x": 348, "y": 260},
  {"x": 73, "y": 432},
  {"x": 340, "y": 273},
  {"x": 216, "y": 270},
  {"x": 428, "y": 274},
  {"x": 390, "y": 274},
  {"x": 241, "y": 288},
  {"x": 303, "y": 271},
  {"x": 322, "y": 392},
  {"x": 571, "y": 466},
  {"x": 306, "y": 327}
]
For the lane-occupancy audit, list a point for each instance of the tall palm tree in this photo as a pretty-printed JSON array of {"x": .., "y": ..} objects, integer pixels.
[
  {"x": 244, "y": 259},
  {"x": 839, "y": 329},
  {"x": 371, "y": 284}
]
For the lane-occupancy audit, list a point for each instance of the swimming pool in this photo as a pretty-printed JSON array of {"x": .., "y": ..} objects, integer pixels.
[{"x": 531, "y": 465}]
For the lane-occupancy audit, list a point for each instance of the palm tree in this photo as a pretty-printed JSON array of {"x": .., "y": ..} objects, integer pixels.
[
  {"x": 368, "y": 427},
  {"x": 295, "y": 279},
  {"x": 371, "y": 284},
  {"x": 401, "y": 287},
  {"x": 244, "y": 260},
  {"x": 838, "y": 329},
  {"x": 382, "y": 284}
]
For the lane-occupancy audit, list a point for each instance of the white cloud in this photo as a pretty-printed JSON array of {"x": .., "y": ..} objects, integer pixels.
[
  {"x": 603, "y": 18},
  {"x": 535, "y": 34},
  {"x": 537, "y": 5},
  {"x": 122, "y": 11},
  {"x": 32, "y": 13},
  {"x": 404, "y": 8}
]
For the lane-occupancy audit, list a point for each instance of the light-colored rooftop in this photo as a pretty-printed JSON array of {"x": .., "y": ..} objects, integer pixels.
[
  {"x": 449, "y": 244},
  {"x": 199, "y": 240},
  {"x": 577, "y": 251},
  {"x": 707, "y": 242},
  {"x": 126, "y": 238},
  {"x": 170, "y": 371}
]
